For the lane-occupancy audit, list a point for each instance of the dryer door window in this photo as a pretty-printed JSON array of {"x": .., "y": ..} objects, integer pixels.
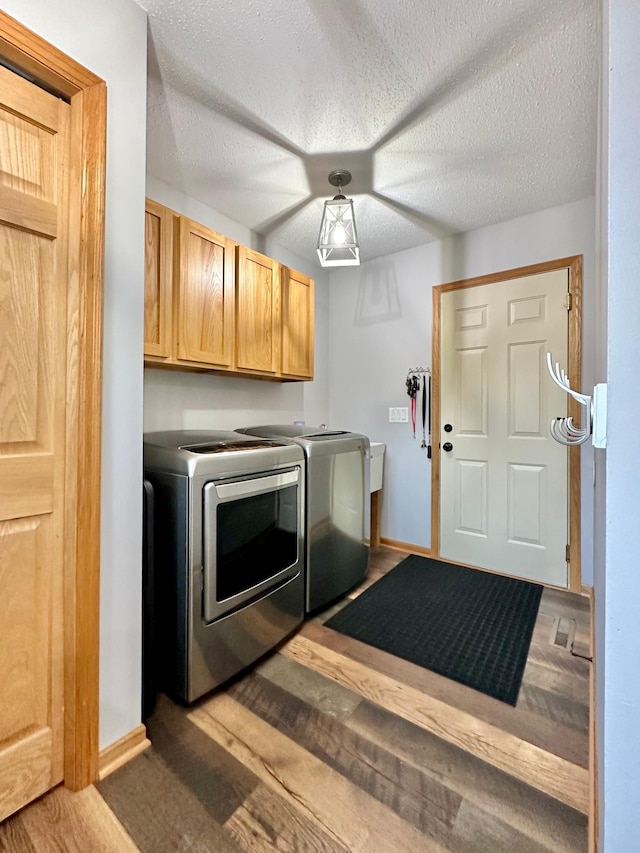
[{"x": 251, "y": 534}]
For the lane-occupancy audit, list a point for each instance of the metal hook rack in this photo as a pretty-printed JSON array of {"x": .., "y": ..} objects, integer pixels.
[
  {"x": 563, "y": 430},
  {"x": 413, "y": 387}
]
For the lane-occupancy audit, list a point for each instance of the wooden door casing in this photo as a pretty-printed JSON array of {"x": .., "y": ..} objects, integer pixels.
[
  {"x": 297, "y": 324},
  {"x": 258, "y": 316},
  {"x": 203, "y": 295}
]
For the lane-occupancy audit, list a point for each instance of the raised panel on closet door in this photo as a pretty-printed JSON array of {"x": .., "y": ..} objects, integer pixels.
[
  {"x": 257, "y": 312},
  {"x": 158, "y": 229},
  {"x": 203, "y": 301},
  {"x": 297, "y": 324}
]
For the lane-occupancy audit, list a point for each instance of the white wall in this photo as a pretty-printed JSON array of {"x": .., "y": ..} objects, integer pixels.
[
  {"x": 618, "y": 587},
  {"x": 111, "y": 40},
  {"x": 183, "y": 400},
  {"x": 380, "y": 326}
]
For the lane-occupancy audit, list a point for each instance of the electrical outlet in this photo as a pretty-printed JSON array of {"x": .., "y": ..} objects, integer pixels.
[{"x": 398, "y": 415}]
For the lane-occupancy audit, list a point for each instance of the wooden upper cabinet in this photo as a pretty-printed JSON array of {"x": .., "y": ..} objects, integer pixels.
[
  {"x": 158, "y": 229},
  {"x": 258, "y": 318},
  {"x": 297, "y": 324},
  {"x": 210, "y": 304},
  {"x": 203, "y": 300}
]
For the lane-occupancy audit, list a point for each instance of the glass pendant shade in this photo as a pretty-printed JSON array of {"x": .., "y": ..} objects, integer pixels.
[{"x": 338, "y": 238}]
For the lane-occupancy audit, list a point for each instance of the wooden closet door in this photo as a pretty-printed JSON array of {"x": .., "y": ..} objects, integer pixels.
[{"x": 34, "y": 172}]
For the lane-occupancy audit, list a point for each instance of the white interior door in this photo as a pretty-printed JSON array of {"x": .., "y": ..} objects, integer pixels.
[{"x": 504, "y": 482}]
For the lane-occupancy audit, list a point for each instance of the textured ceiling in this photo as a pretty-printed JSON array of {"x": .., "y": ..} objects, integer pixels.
[{"x": 450, "y": 115}]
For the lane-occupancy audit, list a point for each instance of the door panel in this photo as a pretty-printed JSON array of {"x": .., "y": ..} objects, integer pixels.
[
  {"x": 471, "y": 397},
  {"x": 30, "y": 173},
  {"x": 471, "y": 497},
  {"x": 34, "y": 151},
  {"x": 23, "y": 669},
  {"x": 527, "y": 490},
  {"x": 504, "y": 489},
  {"x": 525, "y": 362}
]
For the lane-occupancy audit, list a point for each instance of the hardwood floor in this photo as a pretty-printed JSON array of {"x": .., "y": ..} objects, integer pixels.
[{"x": 331, "y": 745}]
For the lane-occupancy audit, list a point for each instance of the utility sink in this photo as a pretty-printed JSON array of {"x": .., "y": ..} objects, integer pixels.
[{"x": 377, "y": 461}]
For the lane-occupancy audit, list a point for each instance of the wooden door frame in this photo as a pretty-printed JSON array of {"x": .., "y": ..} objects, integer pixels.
[
  {"x": 87, "y": 95},
  {"x": 574, "y": 265}
]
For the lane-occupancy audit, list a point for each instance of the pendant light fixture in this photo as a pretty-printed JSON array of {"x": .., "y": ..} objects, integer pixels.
[{"x": 338, "y": 239}]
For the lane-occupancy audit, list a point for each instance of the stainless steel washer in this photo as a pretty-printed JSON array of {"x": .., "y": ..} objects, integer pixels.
[
  {"x": 337, "y": 508},
  {"x": 229, "y": 552}
]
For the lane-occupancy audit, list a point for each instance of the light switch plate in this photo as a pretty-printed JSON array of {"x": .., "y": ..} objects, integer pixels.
[
  {"x": 599, "y": 426},
  {"x": 399, "y": 415}
]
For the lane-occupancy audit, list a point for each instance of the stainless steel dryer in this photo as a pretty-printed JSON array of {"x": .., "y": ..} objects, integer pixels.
[
  {"x": 229, "y": 552},
  {"x": 337, "y": 508}
]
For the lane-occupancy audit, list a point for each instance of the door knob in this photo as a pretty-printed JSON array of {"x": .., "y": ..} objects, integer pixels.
[
  {"x": 448, "y": 427},
  {"x": 447, "y": 446}
]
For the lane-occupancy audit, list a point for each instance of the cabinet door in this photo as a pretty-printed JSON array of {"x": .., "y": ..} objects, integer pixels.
[
  {"x": 297, "y": 324},
  {"x": 257, "y": 312},
  {"x": 157, "y": 279},
  {"x": 203, "y": 302}
]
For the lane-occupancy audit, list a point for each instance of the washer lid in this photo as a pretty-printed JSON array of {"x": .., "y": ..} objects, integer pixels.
[
  {"x": 293, "y": 431},
  {"x": 177, "y": 438},
  {"x": 325, "y": 435},
  {"x": 229, "y": 446},
  {"x": 216, "y": 452}
]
